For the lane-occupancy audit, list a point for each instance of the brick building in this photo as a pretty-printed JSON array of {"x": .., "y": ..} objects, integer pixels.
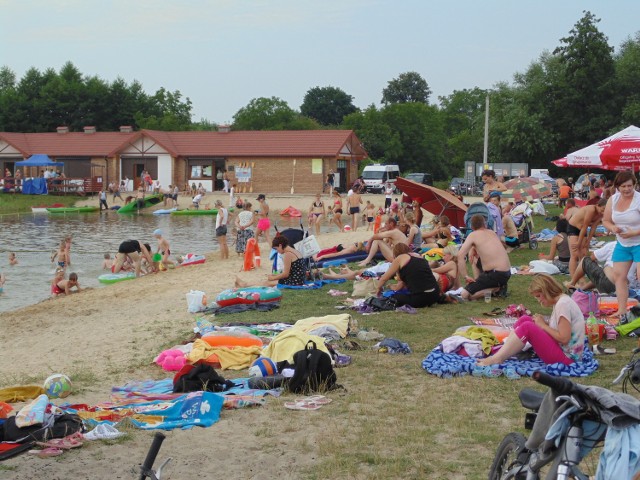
[{"x": 257, "y": 161}]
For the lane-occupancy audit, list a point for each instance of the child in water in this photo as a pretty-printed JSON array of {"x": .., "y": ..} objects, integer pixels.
[
  {"x": 12, "y": 258},
  {"x": 107, "y": 263},
  {"x": 61, "y": 255}
]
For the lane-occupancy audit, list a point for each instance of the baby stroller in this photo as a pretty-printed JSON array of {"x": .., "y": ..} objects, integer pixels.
[
  {"x": 522, "y": 215},
  {"x": 295, "y": 236},
  {"x": 477, "y": 208}
]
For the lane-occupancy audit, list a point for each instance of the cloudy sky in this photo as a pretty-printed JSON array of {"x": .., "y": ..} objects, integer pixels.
[{"x": 223, "y": 53}]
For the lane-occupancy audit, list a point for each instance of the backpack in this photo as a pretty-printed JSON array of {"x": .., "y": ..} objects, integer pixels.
[{"x": 313, "y": 371}]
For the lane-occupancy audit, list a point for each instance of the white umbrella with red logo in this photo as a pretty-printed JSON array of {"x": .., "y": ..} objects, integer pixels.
[{"x": 620, "y": 151}]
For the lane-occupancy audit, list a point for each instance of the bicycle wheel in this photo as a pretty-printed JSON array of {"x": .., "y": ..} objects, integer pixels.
[{"x": 508, "y": 458}]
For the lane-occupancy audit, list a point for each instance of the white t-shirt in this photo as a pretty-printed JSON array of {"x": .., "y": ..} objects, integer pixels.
[
  {"x": 566, "y": 307},
  {"x": 629, "y": 219},
  {"x": 222, "y": 217},
  {"x": 388, "y": 192}
]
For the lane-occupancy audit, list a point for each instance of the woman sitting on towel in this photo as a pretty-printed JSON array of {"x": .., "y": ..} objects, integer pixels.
[
  {"x": 414, "y": 275},
  {"x": 446, "y": 271},
  {"x": 442, "y": 234},
  {"x": 293, "y": 266},
  {"x": 557, "y": 339}
]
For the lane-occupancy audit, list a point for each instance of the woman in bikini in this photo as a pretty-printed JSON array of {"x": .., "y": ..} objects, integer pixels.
[
  {"x": 293, "y": 266},
  {"x": 582, "y": 228},
  {"x": 337, "y": 210},
  {"x": 442, "y": 233},
  {"x": 414, "y": 235},
  {"x": 446, "y": 273},
  {"x": 316, "y": 213}
]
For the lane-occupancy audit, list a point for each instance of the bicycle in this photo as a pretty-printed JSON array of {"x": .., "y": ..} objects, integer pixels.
[
  {"x": 630, "y": 373},
  {"x": 585, "y": 421},
  {"x": 146, "y": 469}
]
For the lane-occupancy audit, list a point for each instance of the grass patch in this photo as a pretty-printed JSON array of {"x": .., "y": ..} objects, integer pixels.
[
  {"x": 393, "y": 420},
  {"x": 18, "y": 203}
]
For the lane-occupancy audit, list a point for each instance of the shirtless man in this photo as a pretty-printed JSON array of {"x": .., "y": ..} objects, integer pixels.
[
  {"x": 570, "y": 209},
  {"x": 491, "y": 184},
  {"x": 163, "y": 247},
  {"x": 493, "y": 260},
  {"x": 353, "y": 203},
  {"x": 377, "y": 242},
  {"x": 586, "y": 218}
]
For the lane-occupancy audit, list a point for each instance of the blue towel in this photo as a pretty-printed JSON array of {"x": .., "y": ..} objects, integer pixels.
[
  {"x": 447, "y": 365},
  {"x": 313, "y": 285}
]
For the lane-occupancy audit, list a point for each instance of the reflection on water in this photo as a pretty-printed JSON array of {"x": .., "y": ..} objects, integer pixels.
[{"x": 34, "y": 237}]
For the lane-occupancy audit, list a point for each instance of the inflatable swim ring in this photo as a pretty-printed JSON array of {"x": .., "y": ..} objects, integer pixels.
[
  {"x": 291, "y": 212},
  {"x": 248, "y": 295},
  {"x": 192, "y": 259},
  {"x": 232, "y": 341},
  {"x": 116, "y": 277}
]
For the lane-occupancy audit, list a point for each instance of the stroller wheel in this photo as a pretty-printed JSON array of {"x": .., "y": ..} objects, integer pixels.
[{"x": 533, "y": 244}]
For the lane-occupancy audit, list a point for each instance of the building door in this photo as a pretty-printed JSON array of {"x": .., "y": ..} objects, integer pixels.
[
  {"x": 341, "y": 167},
  {"x": 138, "y": 168}
]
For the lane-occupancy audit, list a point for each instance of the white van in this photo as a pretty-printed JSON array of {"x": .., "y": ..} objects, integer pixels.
[{"x": 376, "y": 176}]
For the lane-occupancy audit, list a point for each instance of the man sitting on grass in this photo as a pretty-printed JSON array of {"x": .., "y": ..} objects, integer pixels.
[
  {"x": 493, "y": 263},
  {"x": 383, "y": 242}
]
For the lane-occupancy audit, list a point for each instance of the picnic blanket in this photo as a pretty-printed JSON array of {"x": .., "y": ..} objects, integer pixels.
[
  {"x": 313, "y": 285},
  {"x": 447, "y": 365}
]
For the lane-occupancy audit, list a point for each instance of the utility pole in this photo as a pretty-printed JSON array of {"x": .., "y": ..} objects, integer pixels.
[{"x": 486, "y": 133}]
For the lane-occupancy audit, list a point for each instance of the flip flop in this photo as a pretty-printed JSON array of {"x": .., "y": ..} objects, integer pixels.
[
  {"x": 600, "y": 350},
  {"x": 66, "y": 443},
  {"x": 316, "y": 399},
  {"x": 46, "y": 452},
  {"x": 301, "y": 406}
]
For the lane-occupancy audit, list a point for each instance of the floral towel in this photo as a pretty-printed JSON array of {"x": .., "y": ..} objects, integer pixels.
[{"x": 447, "y": 365}]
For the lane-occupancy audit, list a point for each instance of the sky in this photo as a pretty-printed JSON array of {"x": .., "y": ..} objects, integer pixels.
[{"x": 221, "y": 54}]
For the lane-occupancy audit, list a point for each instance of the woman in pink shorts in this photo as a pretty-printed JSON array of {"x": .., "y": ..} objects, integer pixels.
[{"x": 264, "y": 224}]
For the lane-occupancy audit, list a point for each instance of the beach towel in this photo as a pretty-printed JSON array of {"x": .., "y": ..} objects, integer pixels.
[
  {"x": 447, "y": 365},
  {"x": 313, "y": 285}
]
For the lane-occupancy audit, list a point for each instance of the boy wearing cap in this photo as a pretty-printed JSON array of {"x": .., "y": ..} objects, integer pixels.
[
  {"x": 221, "y": 229},
  {"x": 163, "y": 247}
]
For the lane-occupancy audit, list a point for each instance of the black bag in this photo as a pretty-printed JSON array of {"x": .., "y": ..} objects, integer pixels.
[
  {"x": 200, "y": 378},
  {"x": 381, "y": 304},
  {"x": 313, "y": 371},
  {"x": 65, "y": 424}
]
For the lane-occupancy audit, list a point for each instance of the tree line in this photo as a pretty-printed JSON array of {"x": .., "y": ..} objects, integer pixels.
[{"x": 581, "y": 92}]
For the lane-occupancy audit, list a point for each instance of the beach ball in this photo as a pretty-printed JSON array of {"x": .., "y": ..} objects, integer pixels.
[
  {"x": 347, "y": 228},
  {"x": 263, "y": 367},
  {"x": 57, "y": 386}
]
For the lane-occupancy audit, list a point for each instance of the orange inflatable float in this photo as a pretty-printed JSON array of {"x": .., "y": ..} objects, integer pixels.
[
  {"x": 232, "y": 341},
  {"x": 251, "y": 255},
  {"x": 291, "y": 212}
]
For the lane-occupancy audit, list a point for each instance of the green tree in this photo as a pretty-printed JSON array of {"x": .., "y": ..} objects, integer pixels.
[
  {"x": 270, "y": 114},
  {"x": 166, "y": 111},
  {"x": 627, "y": 63},
  {"x": 409, "y": 87},
  {"x": 585, "y": 104},
  {"x": 327, "y": 105}
]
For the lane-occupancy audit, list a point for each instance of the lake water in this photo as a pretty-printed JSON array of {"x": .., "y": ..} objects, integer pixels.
[{"x": 34, "y": 237}]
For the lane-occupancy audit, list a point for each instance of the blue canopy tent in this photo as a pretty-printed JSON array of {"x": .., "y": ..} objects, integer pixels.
[{"x": 37, "y": 186}]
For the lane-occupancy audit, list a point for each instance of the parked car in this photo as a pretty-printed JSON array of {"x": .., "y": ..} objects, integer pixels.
[
  {"x": 424, "y": 178},
  {"x": 377, "y": 176},
  {"x": 460, "y": 186}
]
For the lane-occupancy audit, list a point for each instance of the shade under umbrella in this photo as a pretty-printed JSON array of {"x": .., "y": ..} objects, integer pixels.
[
  {"x": 434, "y": 200},
  {"x": 526, "y": 188}
]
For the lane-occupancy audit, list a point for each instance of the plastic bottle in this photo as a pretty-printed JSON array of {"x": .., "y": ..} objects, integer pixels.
[{"x": 593, "y": 330}]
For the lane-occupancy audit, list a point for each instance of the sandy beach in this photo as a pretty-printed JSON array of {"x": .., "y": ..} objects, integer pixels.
[{"x": 110, "y": 336}]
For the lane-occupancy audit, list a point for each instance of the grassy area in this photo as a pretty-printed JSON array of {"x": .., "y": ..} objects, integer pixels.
[
  {"x": 17, "y": 203},
  {"x": 394, "y": 420}
]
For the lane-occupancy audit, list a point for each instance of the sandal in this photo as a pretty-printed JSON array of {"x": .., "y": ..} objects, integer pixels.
[
  {"x": 316, "y": 399},
  {"x": 66, "y": 443},
  {"x": 301, "y": 406},
  {"x": 46, "y": 452}
]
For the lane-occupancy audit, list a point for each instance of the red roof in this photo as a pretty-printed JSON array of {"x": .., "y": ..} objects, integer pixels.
[{"x": 298, "y": 143}]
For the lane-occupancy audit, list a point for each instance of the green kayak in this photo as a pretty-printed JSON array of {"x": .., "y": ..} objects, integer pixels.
[
  {"x": 149, "y": 201},
  {"x": 72, "y": 209},
  {"x": 211, "y": 211}
]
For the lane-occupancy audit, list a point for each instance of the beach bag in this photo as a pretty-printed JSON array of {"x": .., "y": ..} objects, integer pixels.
[
  {"x": 200, "y": 378},
  {"x": 196, "y": 301},
  {"x": 588, "y": 301},
  {"x": 313, "y": 371},
  {"x": 381, "y": 304},
  {"x": 63, "y": 425},
  {"x": 364, "y": 288}
]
